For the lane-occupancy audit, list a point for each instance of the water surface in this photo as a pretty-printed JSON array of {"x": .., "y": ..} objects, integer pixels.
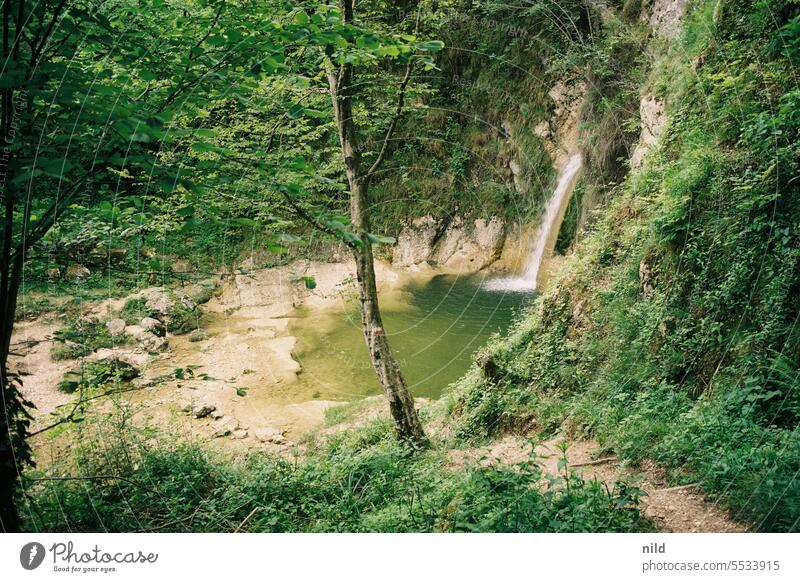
[{"x": 434, "y": 328}]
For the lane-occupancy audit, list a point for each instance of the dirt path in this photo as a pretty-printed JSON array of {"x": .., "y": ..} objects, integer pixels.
[{"x": 674, "y": 509}]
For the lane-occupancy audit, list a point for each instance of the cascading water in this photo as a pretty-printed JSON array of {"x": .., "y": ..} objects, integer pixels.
[{"x": 551, "y": 219}]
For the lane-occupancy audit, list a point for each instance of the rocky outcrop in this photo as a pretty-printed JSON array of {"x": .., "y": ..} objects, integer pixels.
[
  {"x": 459, "y": 245},
  {"x": 416, "y": 241},
  {"x": 651, "y": 113},
  {"x": 663, "y": 16}
]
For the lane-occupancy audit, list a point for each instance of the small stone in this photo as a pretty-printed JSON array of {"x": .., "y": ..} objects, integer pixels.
[
  {"x": 216, "y": 415},
  {"x": 239, "y": 434},
  {"x": 115, "y": 327},
  {"x": 197, "y": 335},
  {"x": 270, "y": 435},
  {"x": 203, "y": 410}
]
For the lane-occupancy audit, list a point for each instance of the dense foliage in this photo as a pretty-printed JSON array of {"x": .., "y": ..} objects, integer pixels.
[{"x": 673, "y": 334}]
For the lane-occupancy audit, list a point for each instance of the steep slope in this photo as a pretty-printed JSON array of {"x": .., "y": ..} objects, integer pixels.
[{"x": 671, "y": 334}]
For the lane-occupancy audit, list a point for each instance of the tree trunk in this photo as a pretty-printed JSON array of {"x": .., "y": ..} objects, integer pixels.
[
  {"x": 401, "y": 403},
  {"x": 14, "y": 449}
]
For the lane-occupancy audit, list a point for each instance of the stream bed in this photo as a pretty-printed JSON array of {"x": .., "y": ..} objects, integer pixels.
[{"x": 434, "y": 327}]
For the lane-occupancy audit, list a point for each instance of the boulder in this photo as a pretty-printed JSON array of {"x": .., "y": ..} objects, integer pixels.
[
  {"x": 149, "y": 341},
  {"x": 153, "y": 325},
  {"x": 199, "y": 294},
  {"x": 127, "y": 364},
  {"x": 159, "y": 301},
  {"x": 77, "y": 273},
  {"x": 197, "y": 335},
  {"x": 115, "y": 327}
]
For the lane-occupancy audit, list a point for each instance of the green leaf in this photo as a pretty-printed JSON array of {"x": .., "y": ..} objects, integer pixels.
[
  {"x": 380, "y": 239},
  {"x": 431, "y": 46},
  {"x": 301, "y": 18}
]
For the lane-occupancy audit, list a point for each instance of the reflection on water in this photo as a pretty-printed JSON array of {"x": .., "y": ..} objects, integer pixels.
[{"x": 434, "y": 328}]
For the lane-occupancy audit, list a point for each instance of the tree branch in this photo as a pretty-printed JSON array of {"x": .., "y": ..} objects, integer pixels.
[{"x": 393, "y": 124}]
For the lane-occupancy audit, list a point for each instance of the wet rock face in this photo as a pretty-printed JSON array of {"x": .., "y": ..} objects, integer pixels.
[{"x": 460, "y": 245}]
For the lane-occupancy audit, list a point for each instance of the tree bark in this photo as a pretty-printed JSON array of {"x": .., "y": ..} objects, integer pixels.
[{"x": 401, "y": 403}]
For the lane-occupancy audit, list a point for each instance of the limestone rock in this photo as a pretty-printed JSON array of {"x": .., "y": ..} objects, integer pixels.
[
  {"x": 153, "y": 325},
  {"x": 77, "y": 273},
  {"x": 468, "y": 248},
  {"x": 200, "y": 293},
  {"x": 158, "y": 300},
  {"x": 663, "y": 16},
  {"x": 202, "y": 410},
  {"x": 197, "y": 335},
  {"x": 149, "y": 341},
  {"x": 128, "y": 364},
  {"x": 651, "y": 113},
  {"x": 239, "y": 434},
  {"x": 270, "y": 435},
  {"x": 115, "y": 327},
  {"x": 415, "y": 242},
  {"x": 223, "y": 427}
]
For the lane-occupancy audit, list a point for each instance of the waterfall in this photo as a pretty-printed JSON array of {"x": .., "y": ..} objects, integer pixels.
[{"x": 547, "y": 233}]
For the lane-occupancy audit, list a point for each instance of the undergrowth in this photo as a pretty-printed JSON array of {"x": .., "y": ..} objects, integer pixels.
[
  {"x": 673, "y": 333},
  {"x": 360, "y": 480}
]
